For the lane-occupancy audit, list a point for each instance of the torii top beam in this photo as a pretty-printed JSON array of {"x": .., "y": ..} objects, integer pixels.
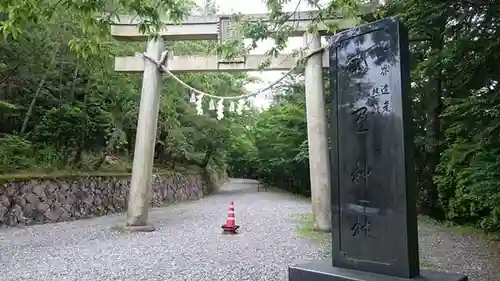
[{"x": 209, "y": 27}]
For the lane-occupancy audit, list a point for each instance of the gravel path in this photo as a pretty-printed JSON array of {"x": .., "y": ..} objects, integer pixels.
[
  {"x": 187, "y": 245},
  {"x": 442, "y": 248}
]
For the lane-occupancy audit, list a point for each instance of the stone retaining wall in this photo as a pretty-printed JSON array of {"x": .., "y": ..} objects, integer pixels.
[{"x": 37, "y": 201}]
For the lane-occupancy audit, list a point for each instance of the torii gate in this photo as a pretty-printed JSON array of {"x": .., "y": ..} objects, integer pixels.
[{"x": 218, "y": 28}]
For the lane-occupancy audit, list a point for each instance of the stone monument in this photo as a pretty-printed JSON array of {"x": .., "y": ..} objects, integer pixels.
[{"x": 374, "y": 216}]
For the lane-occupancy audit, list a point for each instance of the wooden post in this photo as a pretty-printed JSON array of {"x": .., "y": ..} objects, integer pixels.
[
  {"x": 319, "y": 165},
  {"x": 142, "y": 169}
]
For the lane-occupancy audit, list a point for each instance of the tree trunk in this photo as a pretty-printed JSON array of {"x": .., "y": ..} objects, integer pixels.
[
  {"x": 73, "y": 83},
  {"x": 109, "y": 147},
  {"x": 206, "y": 159},
  {"x": 83, "y": 135},
  {"x": 37, "y": 93},
  {"x": 434, "y": 135}
]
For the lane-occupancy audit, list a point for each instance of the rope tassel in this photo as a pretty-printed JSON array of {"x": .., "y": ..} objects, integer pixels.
[
  {"x": 193, "y": 98},
  {"x": 241, "y": 105},
  {"x": 220, "y": 109},
  {"x": 199, "y": 105}
]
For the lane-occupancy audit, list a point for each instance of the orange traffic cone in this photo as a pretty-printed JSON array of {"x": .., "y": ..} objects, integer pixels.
[{"x": 230, "y": 225}]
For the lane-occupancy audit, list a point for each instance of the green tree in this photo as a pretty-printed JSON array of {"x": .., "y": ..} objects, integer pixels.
[{"x": 68, "y": 111}]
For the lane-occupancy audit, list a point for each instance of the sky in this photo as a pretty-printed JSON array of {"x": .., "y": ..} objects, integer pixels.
[{"x": 259, "y": 7}]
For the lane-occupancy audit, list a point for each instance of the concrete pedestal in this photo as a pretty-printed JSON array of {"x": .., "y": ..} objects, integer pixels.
[{"x": 324, "y": 271}]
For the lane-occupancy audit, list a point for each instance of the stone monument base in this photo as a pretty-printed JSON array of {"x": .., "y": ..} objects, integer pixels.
[{"x": 324, "y": 271}]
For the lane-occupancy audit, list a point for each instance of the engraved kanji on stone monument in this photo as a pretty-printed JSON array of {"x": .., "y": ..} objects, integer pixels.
[
  {"x": 374, "y": 226},
  {"x": 374, "y": 218}
]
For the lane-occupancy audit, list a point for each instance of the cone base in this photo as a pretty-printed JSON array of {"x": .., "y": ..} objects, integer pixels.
[{"x": 230, "y": 229}]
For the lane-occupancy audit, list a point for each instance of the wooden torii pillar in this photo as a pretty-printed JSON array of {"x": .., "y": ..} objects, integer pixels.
[{"x": 215, "y": 28}]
